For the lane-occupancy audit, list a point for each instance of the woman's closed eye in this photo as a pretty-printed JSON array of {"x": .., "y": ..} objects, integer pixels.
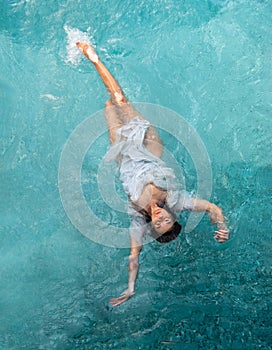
[{"x": 166, "y": 221}]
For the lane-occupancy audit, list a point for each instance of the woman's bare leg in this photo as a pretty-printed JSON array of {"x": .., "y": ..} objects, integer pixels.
[
  {"x": 117, "y": 95},
  {"x": 113, "y": 120},
  {"x": 124, "y": 108}
]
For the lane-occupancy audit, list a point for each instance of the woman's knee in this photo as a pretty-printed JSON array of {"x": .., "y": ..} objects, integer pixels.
[
  {"x": 108, "y": 104},
  {"x": 153, "y": 142},
  {"x": 119, "y": 98}
]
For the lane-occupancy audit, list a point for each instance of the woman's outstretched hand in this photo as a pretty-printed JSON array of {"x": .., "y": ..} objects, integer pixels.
[
  {"x": 216, "y": 216},
  {"x": 222, "y": 235},
  {"x": 123, "y": 297}
]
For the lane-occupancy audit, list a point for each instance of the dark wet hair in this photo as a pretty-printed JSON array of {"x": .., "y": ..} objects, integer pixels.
[{"x": 169, "y": 235}]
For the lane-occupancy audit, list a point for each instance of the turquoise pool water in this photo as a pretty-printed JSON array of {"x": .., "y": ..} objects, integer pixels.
[{"x": 210, "y": 62}]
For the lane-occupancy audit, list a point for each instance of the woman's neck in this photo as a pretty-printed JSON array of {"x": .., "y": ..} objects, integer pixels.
[{"x": 150, "y": 194}]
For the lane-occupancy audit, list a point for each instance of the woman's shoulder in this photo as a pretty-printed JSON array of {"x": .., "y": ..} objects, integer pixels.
[{"x": 179, "y": 200}]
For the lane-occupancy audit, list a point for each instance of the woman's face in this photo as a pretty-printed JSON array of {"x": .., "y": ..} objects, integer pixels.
[{"x": 162, "y": 220}]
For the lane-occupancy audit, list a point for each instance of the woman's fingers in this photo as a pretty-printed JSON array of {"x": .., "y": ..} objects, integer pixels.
[
  {"x": 123, "y": 297},
  {"x": 222, "y": 235},
  {"x": 118, "y": 301}
]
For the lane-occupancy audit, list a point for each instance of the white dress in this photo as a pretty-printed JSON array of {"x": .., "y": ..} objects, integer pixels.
[{"x": 138, "y": 167}]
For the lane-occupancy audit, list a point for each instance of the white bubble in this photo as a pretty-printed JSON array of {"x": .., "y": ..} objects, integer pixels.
[{"x": 73, "y": 36}]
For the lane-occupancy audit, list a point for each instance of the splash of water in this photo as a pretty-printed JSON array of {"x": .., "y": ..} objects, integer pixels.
[{"x": 73, "y": 36}]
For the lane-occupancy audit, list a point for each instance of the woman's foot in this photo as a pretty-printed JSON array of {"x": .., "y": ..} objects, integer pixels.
[{"x": 88, "y": 51}]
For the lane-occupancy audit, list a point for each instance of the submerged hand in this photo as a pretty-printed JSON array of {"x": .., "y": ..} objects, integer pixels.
[
  {"x": 123, "y": 297},
  {"x": 216, "y": 216},
  {"x": 222, "y": 235}
]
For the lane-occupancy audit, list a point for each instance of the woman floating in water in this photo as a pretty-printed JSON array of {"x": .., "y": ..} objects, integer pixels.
[{"x": 150, "y": 186}]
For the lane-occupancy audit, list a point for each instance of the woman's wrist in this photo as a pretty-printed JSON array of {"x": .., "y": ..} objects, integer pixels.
[
  {"x": 222, "y": 225},
  {"x": 131, "y": 287},
  {"x": 215, "y": 214}
]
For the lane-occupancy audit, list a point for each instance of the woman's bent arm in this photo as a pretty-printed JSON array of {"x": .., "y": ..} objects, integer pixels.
[{"x": 216, "y": 216}]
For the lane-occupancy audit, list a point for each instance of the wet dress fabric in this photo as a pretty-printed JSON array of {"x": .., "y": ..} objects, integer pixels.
[{"x": 139, "y": 167}]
